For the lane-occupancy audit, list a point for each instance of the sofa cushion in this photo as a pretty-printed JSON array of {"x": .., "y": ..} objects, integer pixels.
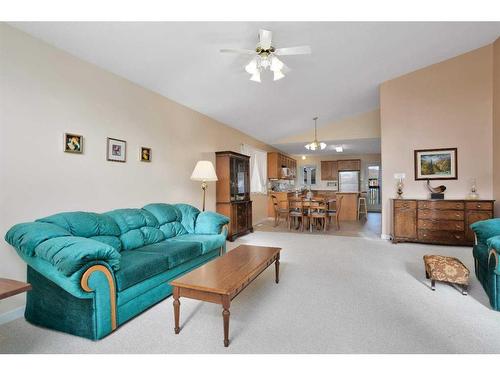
[
  {"x": 208, "y": 242},
  {"x": 109, "y": 240},
  {"x": 69, "y": 254},
  {"x": 175, "y": 252},
  {"x": 137, "y": 266},
  {"x": 137, "y": 227},
  {"x": 209, "y": 222},
  {"x": 481, "y": 252},
  {"x": 84, "y": 224},
  {"x": 169, "y": 218},
  {"x": 485, "y": 229},
  {"x": 25, "y": 237},
  {"x": 188, "y": 216}
]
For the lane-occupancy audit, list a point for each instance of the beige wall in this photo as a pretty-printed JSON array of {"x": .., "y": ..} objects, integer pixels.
[
  {"x": 496, "y": 125},
  {"x": 448, "y": 104},
  {"x": 45, "y": 92},
  {"x": 366, "y": 159},
  {"x": 365, "y": 125}
]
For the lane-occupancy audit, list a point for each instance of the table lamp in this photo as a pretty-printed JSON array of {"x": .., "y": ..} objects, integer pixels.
[
  {"x": 204, "y": 171},
  {"x": 400, "y": 178}
]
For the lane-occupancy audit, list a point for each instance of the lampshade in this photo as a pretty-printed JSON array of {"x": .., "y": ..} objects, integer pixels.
[
  {"x": 255, "y": 77},
  {"x": 204, "y": 171},
  {"x": 278, "y": 75}
]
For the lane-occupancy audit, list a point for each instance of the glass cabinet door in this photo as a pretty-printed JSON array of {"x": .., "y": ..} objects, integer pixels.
[{"x": 240, "y": 184}]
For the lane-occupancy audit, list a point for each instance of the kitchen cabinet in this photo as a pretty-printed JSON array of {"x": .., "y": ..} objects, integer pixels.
[
  {"x": 349, "y": 165},
  {"x": 329, "y": 170},
  {"x": 280, "y": 166}
]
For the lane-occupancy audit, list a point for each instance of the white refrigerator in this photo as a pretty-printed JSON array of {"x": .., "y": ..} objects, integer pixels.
[{"x": 349, "y": 182}]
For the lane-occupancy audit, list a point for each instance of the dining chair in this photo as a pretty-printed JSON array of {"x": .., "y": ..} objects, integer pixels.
[
  {"x": 336, "y": 212},
  {"x": 279, "y": 211},
  {"x": 296, "y": 212},
  {"x": 318, "y": 214}
]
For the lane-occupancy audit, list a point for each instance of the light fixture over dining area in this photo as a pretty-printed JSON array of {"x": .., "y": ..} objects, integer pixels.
[{"x": 315, "y": 145}]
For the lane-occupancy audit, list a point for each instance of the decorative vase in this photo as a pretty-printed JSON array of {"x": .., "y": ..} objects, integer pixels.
[{"x": 473, "y": 195}]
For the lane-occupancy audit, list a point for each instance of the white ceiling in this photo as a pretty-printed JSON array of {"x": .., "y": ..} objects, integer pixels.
[
  {"x": 350, "y": 146},
  {"x": 182, "y": 62}
]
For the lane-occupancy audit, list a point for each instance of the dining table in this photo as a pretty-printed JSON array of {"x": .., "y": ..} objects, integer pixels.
[{"x": 307, "y": 202}]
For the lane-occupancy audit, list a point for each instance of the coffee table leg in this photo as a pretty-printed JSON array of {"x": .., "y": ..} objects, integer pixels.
[
  {"x": 225, "y": 315},
  {"x": 277, "y": 268},
  {"x": 177, "y": 306}
]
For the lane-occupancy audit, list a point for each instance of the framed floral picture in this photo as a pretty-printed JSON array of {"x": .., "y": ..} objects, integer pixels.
[
  {"x": 436, "y": 164},
  {"x": 73, "y": 143},
  {"x": 116, "y": 150},
  {"x": 145, "y": 154}
]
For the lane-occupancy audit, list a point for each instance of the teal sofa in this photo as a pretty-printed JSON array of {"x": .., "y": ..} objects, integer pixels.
[
  {"x": 91, "y": 273},
  {"x": 486, "y": 251}
]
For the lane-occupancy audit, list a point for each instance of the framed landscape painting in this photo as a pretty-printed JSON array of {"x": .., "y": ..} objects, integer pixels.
[
  {"x": 436, "y": 164},
  {"x": 116, "y": 150}
]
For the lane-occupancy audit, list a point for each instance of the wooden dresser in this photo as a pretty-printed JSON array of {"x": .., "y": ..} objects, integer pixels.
[
  {"x": 444, "y": 222},
  {"x": 233, "y": 192}
]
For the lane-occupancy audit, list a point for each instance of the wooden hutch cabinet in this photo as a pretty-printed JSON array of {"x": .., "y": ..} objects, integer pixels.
[
  {"x": 445, "y": 222},
  {"x": 233, "y": 192}
]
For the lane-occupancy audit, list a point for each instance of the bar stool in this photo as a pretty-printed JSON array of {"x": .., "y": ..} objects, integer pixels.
[{"x": 362, "y": 209}]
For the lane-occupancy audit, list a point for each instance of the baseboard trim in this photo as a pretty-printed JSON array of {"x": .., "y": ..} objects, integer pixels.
[{"x": 11, "y": 315}]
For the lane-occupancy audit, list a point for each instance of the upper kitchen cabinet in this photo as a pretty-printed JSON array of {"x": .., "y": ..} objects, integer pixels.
[
  {"x": 281, "y": 167},
  {"x": 349, "y": 165},
  {"x": 329, "y": 170}
]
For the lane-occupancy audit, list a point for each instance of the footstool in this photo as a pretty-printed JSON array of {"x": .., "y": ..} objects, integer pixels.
[{"x": 446, "y": 269}]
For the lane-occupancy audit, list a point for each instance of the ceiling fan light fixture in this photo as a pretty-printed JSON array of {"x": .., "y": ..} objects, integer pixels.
[
  {"x": 276, "y": 64},
  {"x": 278, "y": 74},
  {"x": 255, "y": 77},
  {"x": 251, "y": 67}
]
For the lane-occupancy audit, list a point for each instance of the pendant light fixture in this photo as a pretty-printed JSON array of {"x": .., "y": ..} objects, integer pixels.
[{"x": 315, "y": 145}]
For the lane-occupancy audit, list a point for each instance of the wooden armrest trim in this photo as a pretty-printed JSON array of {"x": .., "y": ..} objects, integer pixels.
[{"x": 111, "y": 283}]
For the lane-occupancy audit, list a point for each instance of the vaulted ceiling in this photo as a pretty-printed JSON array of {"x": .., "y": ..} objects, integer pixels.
[{"x": 181, "y": 61}]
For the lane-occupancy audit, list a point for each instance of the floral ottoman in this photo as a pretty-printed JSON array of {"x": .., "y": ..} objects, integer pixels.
[{"x": 446, "y": 269}]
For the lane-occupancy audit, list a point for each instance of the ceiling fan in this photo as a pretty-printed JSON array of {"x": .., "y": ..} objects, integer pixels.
[{"x": 265, "y": 56}]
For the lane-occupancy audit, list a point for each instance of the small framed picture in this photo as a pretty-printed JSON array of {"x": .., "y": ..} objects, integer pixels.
[
  {"x": 145, "y": 154},
  {"x": 73, "y": 143},
  {"x": 116, "y": 150},
  {"x": 436, "y": 164}
]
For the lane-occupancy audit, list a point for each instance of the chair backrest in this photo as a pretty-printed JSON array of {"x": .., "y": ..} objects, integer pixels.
[
  {"x": 275, "y": 201},
  {"x": 318, "y": 205},
  {"x": 296, "y": 204},
  {"x": 338, "y": 204}
]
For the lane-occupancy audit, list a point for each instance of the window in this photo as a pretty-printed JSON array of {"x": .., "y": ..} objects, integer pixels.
[
  {"x": 258, "y": 168},
  {"x": 309, "y": 175}
]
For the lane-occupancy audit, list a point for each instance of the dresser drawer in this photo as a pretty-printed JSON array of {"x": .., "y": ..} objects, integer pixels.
[
  {"x": 441, "y": 215},
  {"x": 487, "y": 206},
  {"x": 450, "y": 225},
  {"x": 441, "y": 205},
  {"x": 441, "y": 236},
  {"x": 405, "y": 204}
]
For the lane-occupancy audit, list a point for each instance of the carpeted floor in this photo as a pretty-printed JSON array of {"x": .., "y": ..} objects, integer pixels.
[{"x": 336, "y": 295}]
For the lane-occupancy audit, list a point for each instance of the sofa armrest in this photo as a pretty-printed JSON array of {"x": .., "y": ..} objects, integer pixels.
[
  {"x": 486, "y": 229},
  {"x": 209, "y": 222},
  {"x": 69, "y": 254}
]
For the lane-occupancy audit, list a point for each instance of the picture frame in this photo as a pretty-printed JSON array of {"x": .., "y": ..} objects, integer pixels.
[
  {"x": 436, "y": 164},
  {"x": 145, "y": 154},
  {"x": 116, "y": 150},
  {"x": 73, "y": 143}
]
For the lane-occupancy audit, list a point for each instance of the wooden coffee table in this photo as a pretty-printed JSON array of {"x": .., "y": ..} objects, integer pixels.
[{"x": 222, "y": 279}]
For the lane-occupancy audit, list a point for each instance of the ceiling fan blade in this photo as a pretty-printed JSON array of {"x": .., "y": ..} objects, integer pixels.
[
  {"x": 299, "y": 50},
  {"x": 238, "y": 50},
  {"x": 265, "y": 37}
]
